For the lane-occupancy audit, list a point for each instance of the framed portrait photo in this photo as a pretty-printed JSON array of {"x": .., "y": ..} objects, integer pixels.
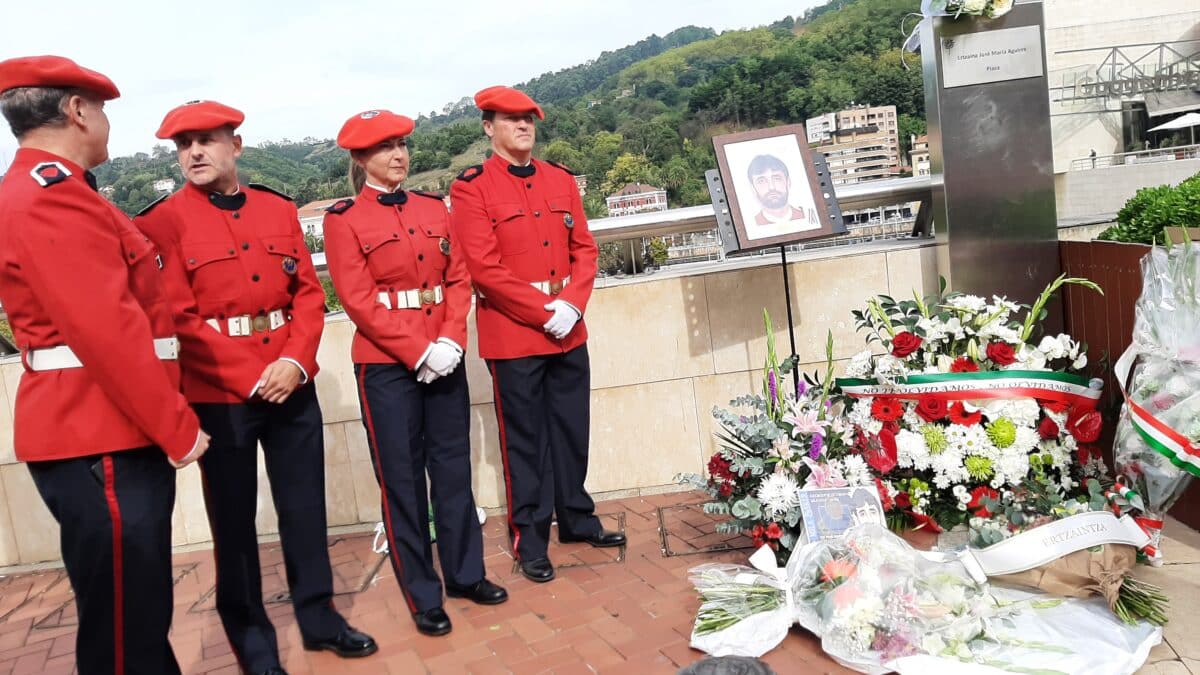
[{"x": 778, "y": 190}]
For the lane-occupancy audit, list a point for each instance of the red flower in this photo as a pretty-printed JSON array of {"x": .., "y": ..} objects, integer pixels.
[
  {"x": 903, "y": 501},
  {"x": 726, "y": 489},
  {"x": 886, "y": 409},
  {"x": 774, "y": 531},
  {"x": 882, "y": 454},
  {"x": 977, "y": 497},
  {"x": 904, "y": 344},
  {"x": 922, "y": 521},
  {"x": 1057, "y": 406},
  {"x": 1085, "y": 425},
  {"x": 1048, "y": 429},
  {"x": 959, "y": 415},
  {"x": 888, "y": 502},
  {"x": 893, "y": 427},
  {"x": 964, "y": 364},
  {"x": 1086, "y": 452},
  {"x": 718, "y": 467},
  {"x": 1001, "y": 353},
  {"x": 932, "y": 409}
]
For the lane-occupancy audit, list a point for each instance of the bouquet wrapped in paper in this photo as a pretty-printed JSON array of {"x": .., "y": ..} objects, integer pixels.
[{"x": 1157, "y": 449}]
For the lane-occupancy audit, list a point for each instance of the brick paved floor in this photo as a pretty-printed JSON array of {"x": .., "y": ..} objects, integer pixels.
[{"x": 626, "y": 611}]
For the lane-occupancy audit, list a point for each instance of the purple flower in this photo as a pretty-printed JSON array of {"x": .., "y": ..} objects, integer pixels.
[
  {"x": 816, "y": 446},
  {"x": 801, "y": 389},
  {"x": 771, "y": 385}
]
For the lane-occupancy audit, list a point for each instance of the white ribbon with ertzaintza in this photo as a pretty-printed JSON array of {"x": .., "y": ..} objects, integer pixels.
[{"x": 1045, "y": 544}]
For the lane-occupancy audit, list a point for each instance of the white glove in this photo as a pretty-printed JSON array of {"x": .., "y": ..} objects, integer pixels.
[
  {"x": 443, "y": 358},
  {"x": 564, "y": 319},
  {"x": 425, "y": 375}
]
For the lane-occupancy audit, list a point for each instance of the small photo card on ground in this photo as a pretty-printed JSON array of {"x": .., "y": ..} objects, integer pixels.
[{"x": 828, "y": 512}]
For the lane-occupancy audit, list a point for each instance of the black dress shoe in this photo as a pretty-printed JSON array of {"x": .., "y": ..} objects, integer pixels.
[
  {"x": 539, "y": 570},
  {"x": 601, "y": 539},
  {"x": 482, "y": 593},
  {"x": 348, "y": 644},
  {"x": 432, "y": 621}
]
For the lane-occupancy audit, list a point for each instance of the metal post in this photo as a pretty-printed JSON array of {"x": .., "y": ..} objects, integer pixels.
[{"x": 787, "y": 298}]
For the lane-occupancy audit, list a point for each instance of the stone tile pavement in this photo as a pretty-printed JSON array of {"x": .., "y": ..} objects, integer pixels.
[{"x": 626, "y": 611}]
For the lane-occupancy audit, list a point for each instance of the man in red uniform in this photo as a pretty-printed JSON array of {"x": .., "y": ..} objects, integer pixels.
[
  {"x": 249, "y": 316},
  {"x": 82, "y": 287},
  {"x": 533, "y": 262}
]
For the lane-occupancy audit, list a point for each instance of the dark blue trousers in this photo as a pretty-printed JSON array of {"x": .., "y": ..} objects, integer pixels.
[
  {"x": 415, "y": 429},
  {"x": 114, "y": 511},
  {"x": 294, "y": 450},
  {"x": 543, "y": 407}
]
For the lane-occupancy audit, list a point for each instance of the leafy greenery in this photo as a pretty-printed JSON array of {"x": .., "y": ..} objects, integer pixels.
[{"x": 1151, "y": 210}]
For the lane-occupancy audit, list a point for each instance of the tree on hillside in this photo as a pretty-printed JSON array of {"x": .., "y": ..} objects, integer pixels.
[{"x": 629, "y": 168}]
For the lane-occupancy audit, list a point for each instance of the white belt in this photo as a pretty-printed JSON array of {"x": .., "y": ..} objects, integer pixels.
[
  {"x": 61, "y": 357},
  {"x": 248, "y": 324},
  {"x": 411, "y": 299},
  {"x": 547, "y": 287}
]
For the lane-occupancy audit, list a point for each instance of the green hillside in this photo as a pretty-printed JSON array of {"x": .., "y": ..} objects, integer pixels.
[{"x": 643, "y": 113}]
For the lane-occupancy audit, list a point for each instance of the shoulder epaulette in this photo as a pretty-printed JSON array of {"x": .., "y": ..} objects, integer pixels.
[
  {"x": 432, "y": 195},
  {"x": 564, "y": 167},
  {"x": 264, "y": 188},
  {"x": 340, "y": 206},
  {"x": 471, "y": 173},
  {"x": 49, "y": 173},
  {"x": 150, "y": 206}
]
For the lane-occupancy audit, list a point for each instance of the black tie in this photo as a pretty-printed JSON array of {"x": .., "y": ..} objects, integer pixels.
[
  {"x": 522, "y": 171},
  {"x": 228, "y": 202},
  {"x": 393, "y": 198}
]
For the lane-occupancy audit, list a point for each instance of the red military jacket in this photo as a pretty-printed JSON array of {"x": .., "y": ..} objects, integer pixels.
[
  {"x": 517, "y": 231},
  {"x": 229, "y": 256},
  {"x": 373, "y": 247},
  {"x": 74, "y": 271}
]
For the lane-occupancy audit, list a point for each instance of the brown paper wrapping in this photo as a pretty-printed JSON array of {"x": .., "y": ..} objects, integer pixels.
[{"x": 1098, "y": 571}]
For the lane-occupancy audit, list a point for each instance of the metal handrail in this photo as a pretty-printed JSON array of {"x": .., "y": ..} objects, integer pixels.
[{"x": 1139, "y": 157}]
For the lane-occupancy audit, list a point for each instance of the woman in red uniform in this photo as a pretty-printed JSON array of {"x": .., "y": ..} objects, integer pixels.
[{"x": 405, "y": 286}]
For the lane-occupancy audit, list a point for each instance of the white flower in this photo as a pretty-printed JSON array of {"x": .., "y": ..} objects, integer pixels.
[
  {"x": 1031, "y": 358},
  {"x": 888, "y": 369},
  {"x": 1052, "y": 348},
  {"x": 911, "y": 450},
  {"x": 860, "y": 365},
  {"x": 856, "y": 471},
  {"x": 779, "y": 493},
  {"x": 1027, "y": 439},
  {"x": 971, "y": 303},
  {"x": 1079, "y": 362},
  {"x": 1001, "y": 7}
]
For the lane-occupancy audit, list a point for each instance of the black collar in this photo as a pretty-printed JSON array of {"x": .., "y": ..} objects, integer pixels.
[
  {"x": 228, "y": 202},
  {"x": 392, "y": 198},
  {"x": 522, "y": 171},
  {"x": 90, "y": 178}
]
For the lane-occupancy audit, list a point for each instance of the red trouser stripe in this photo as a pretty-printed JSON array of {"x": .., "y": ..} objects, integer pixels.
[
  {"x": 387, "y": 513},
  {"x": 513, "y": 532},
  {"x": 114, "y": 512}
]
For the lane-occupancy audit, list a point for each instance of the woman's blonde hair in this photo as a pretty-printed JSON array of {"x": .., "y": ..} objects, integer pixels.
[{"x": 358, "y": 175}]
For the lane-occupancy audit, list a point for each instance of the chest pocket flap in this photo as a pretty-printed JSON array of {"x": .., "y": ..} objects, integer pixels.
[
  {"x": 560, "y": 204},
  {"x": 281, "y": 245},
  {"x": 373, "y": 240},
  {"x": 135, "y": 247},
  {"x": 502, "y": 213},
  {"x": 197, "y": 255}
]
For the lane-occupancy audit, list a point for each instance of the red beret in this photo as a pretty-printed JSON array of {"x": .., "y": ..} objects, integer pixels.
[
  {"x": 508, "y": 100},
  {"x": 199, "y": 116},
  {"x": 368, "y": 128},
  {"x": 53, "y": 71}
]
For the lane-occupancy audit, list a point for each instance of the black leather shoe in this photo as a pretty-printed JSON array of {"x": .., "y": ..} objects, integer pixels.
[
  {"x": 601, "y": 539},
  {"x": 348, "y": 644},
  {"x": 432, "y": 621},
  {"x": 539, "y": 570},
  {"x": 482, "y": 593}
]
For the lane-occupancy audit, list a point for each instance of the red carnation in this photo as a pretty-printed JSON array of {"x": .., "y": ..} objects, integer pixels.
[
  {"x": 888, "y": 502},
  {"x": 893, "y": 427},
  {"x": 964, "y": 364},
  {"x": 886, "y": 409},
  {"x": 1086, "y": 452},
  {"x": 1057, "y": 406},
  {"x": 757, "y": 534},
  {"x": 718, "y": 467},
  {"x": 1085, "y": 425},
  {"x": 959, "y": 415},
  {"x": 882, "y": 455},
  {"x": 977, "y": 497},
  {"x": 903, "y": 501},
  {"x": 904, "y": 344},
  {"x": 774, "y": 531},
  {"x": 932, "y": 409},
  {"x": 1001, "y": 353},
  {"x": 1048, "y": 429},
  {"x": 726, "y": 489}
]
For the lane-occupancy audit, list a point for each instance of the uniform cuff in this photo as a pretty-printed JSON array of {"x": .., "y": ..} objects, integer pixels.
[
  {"x": 578, "y": 314},
  {"x": 452, "y": 343},
  {"x": 420, "y": 361},
  {"x": 191, "y": 453}
]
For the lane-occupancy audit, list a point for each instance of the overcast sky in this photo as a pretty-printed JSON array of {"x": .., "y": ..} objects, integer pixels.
[{"x": 301, "y": 68}]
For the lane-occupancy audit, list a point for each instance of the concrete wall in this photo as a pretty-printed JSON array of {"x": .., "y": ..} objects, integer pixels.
[
  {"x": 1105, "y": 190},
  {"x": 665, "y": 349}
]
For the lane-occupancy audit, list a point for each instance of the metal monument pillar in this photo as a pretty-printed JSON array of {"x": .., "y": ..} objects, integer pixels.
[{"x": 988, "y": 108}]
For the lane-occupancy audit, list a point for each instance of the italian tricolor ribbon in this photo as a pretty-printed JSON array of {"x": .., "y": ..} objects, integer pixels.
[
  {"x": 1176, "y": 447},
  {"x": 1003, "y": 384}
]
